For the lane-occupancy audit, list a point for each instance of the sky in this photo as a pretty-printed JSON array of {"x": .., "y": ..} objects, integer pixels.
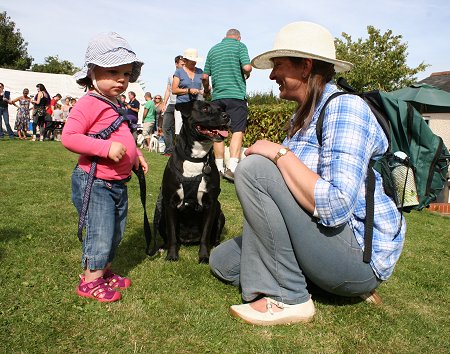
[{"x": 159, "y": 30}]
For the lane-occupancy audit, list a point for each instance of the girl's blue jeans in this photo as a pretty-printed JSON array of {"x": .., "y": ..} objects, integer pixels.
[
  {"x": 281, "y": 243},
  {"x": 105, "y": 220}
]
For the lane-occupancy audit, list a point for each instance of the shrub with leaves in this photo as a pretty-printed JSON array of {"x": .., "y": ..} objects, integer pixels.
[{"x": 268, "y": 121}]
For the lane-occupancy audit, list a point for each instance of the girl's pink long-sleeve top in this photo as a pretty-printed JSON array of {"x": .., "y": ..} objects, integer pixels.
[{"x": 89, "y": 116}]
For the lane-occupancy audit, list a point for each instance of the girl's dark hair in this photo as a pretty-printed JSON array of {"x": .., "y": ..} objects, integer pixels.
[
  {"x": 86, "y": 82},
  {"x": 321, "y": 73}
]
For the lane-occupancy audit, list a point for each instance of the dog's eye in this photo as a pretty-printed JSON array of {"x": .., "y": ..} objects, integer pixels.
[{"x": 205, "y": 109}]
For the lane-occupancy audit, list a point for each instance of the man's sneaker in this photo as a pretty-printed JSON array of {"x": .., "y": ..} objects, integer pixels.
[{"x": 228, "y": 175}]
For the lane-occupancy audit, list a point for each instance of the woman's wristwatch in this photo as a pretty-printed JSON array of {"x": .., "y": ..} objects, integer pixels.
[{"x": 283, "y": 151}]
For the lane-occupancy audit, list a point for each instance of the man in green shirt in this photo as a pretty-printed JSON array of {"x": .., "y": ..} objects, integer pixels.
[
  {"x": 149, "y": 118},
  {"x": 229, "y": 66}
]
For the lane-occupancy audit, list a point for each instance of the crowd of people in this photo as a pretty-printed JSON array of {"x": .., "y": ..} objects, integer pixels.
[
  {"x": 303, "y": 202},
  {"x": 188, "y": 82},
  {"x": 39, "y": 112}
]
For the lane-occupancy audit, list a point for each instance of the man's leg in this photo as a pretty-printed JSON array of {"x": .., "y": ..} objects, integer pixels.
[
  {"x": 238, "y": 111},
  {"x": 5, "y": 115},
  {"x": 2, "y": 110},
  {"x": 235, "y": 150},
  {"x": 219, "y": 153}
]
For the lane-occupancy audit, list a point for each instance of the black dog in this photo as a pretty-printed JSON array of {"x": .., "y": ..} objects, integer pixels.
[{"x": 188, "y": 210}]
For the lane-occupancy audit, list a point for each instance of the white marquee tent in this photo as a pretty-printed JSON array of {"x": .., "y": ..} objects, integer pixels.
[{"x": 15, "y": 81}]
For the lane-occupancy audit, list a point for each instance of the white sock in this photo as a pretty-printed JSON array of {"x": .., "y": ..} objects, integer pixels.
[
  {"x": 233, "y": 163},
  {"x": 219, "y": 164}
]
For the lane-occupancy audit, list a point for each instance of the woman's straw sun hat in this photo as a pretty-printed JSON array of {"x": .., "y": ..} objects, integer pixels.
[
  {"x": 191, "y": 54},
  {"x": 302, "y": 40},
  {"x": 109, "y": 50}
]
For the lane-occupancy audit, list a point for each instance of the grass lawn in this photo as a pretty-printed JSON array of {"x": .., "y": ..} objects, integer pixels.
[{"x": 179, "y": 307}]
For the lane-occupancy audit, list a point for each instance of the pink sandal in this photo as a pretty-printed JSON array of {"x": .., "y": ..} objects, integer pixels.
[
  {"x": 115, "y": 280},
  {"x": 98, "y": 289}
]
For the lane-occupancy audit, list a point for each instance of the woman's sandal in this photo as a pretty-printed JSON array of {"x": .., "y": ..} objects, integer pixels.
[
  {"x": 115, "y": 280},
  {"x": 99, "y": 290}
]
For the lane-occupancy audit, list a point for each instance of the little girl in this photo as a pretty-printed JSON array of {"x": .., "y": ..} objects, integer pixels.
[{"x": 110, "y": 64}]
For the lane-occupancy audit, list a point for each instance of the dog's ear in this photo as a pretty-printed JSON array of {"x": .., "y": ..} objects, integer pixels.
[{"x": 185, "y": 108}]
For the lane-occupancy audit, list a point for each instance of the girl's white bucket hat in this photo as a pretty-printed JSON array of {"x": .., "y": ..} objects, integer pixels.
[
  {"x": 302, "y": 40},
  {"x": 109, "y": 50}
]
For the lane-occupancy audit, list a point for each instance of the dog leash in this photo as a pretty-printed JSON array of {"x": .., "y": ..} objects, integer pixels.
[{"x": 105, "y": 134}]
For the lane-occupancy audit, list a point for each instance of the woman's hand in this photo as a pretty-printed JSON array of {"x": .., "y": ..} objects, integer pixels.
[
  {"x": 140, "y": 160},
  {"x": 264, "y": 148},
  {"x": 116, "y": 151}
]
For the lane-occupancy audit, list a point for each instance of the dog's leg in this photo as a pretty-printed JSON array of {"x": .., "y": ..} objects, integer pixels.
[
  {"x": 205, "y": 240},
  {"x": 217, "y": 229},
  {"x": 171, "y": 217}
]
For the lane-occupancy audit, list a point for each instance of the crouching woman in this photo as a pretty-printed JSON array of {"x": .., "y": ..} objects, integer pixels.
[{"x": 304, "y": 202}]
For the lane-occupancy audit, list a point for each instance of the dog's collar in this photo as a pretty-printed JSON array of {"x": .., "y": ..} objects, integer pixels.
[
  {"x": 205, "y": 159},
  {"x": 188, "y": 157}
]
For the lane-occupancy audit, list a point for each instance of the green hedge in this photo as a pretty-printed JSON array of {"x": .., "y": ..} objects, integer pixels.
[{"x": 267, "y": 121}]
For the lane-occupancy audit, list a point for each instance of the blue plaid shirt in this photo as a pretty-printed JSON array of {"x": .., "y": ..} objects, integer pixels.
[{"x": 351, "y": 136}]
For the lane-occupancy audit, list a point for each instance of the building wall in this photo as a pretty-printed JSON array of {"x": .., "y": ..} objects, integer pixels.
[{"x": 440, "y": 125}]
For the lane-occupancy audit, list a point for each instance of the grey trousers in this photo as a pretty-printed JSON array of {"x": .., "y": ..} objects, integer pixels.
[
  {"x": 168, "y": 128},
  {"x": 281, "y": 243}
]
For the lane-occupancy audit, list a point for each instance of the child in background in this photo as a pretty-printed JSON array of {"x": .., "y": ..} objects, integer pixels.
[
  {"x": 66, "y": 108},
  {"x": 110, "y": 64},
  {"x": 57, "y": 115},
  {"x": 57, "y": 119},
  {"x": 73, "y": 101}
]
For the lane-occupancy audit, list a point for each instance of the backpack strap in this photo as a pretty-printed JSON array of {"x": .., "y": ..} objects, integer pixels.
[
  {"x": 319, "y": 124},
  {"x": 370, "y": 185},
  {"x": 370, "y": 210}
]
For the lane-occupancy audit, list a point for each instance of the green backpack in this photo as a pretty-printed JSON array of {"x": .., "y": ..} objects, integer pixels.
[{"x": 425, "y": 157}]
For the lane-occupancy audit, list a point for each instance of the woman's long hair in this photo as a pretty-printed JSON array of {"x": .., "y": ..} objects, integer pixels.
[
  {"x": 44, "y": 92},
  {"x": 321, "y": 73}
]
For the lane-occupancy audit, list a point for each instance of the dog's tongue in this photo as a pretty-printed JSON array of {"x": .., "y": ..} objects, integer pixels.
[{"x": 222, "y": 133}]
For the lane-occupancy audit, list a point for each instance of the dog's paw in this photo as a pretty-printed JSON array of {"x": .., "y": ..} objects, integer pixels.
[
  {"x": 203, "y": 260},
  {"x": 172, "y": 256}
]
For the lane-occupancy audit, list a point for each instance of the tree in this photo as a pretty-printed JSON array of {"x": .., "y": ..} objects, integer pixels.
[
  {"x": 52, "y": 64},
  {"x": 13, "y": 47},
  {"x": 379, "y": 61}
]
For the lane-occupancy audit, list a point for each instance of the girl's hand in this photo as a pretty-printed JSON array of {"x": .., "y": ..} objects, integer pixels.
[
  {"x": 116, "y": 151},
  {"x": 140, "y": 160},
  {"x": 264, "y": 148}
]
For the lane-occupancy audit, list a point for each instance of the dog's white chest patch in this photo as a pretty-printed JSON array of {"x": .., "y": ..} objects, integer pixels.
[{"x": 193, "y": 169}]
